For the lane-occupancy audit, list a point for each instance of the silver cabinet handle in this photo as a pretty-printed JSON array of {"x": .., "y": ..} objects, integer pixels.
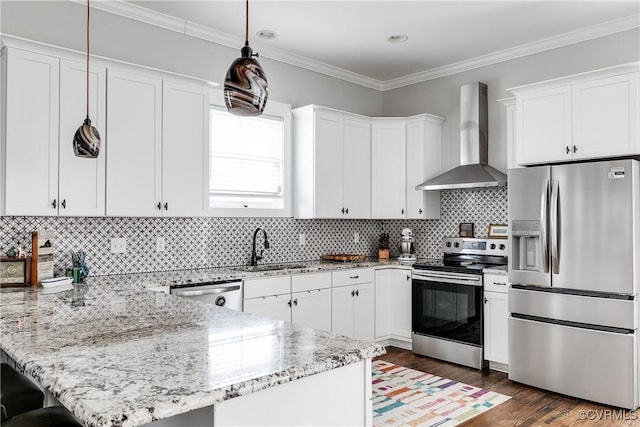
[{"x": 544, "y": 197}]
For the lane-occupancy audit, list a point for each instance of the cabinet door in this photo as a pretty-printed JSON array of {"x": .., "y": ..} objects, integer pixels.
[
  {"x": 274, "y": 307},
  {"x": 401, "y": 318},
  {"x": 605, "y": 117},
  {"x": 388, "y": 176},
  {"x": 31, "y": 134},
  {"x": 81, "y": 180},
  {"x": 363, "y": 312},
  {"x": 342, "y": 310},
  {"x": 357, "y": 169},
  {"x": 496, "y": 333},
  {"x": 134, "y": 129},
  {"x": 328, "y": 165},
  {"x": 423, "y": 162},
  {"x": 384, "y": 309},
  {"x": 185, "y": 125},
  {"x": 312, "y": 308},
  {"x": 544, "y": 126}
]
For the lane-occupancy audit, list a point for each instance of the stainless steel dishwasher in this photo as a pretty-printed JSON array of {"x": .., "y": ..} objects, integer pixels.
[{"x": 223, "y": 293}]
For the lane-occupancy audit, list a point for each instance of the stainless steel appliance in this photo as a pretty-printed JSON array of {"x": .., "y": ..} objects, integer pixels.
[
  {"x": 223, "y": 293},
  {"x": 575, "y": 265},
  {"x": 407, "y": 247},
  {"x": 474, "y": 170},
  {"x": 446, "y": 300}
]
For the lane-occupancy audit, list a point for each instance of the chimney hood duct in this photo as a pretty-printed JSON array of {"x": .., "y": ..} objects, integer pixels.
[{"x": 473, "y": 170}]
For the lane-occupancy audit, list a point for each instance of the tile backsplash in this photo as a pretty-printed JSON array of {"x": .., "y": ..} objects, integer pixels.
[{"x": 201, "y": 242}]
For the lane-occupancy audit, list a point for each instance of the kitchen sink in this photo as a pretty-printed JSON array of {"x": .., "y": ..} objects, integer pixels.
[{"x": 270, "y": 267}]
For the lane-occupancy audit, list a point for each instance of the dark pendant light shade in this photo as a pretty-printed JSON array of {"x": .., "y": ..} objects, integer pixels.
[
  {"x": 86, "y": 141},
  {"x": 245, "y": 85}
]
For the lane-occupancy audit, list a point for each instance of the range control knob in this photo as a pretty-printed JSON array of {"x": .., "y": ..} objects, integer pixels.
[
  {"x": 448, "y": 244},
  {"x": 456, "y": 245},
  {"x": 502, "y": 246},
  {"x": 492, "y": 246}
]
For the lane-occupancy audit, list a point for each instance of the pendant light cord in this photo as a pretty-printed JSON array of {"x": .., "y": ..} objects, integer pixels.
[
  {"x": 246, "y": 27},
  {"x": 88, "y": 59}
]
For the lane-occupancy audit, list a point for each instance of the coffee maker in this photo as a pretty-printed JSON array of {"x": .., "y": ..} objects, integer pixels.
[{"x": 407, "y": 247}]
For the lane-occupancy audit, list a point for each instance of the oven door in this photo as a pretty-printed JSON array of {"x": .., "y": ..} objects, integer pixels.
[{"x": 448, "y": 306}]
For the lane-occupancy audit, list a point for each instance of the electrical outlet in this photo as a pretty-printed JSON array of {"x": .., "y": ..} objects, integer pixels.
[
  {"x": 356, "y": 237},
  {"x": 118, "y": 245},
  {"x": 302, "y": 239},
  {"x": 160, "y": 244}
]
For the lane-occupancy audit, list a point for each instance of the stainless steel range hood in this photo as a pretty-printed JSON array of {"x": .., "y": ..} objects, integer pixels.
[{"x": 473, "y": 170}]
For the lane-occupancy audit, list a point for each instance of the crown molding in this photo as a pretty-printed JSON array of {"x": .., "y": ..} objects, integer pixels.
[
  {"x": 148, "y": 16},
  {"x": 589, "y": 33}
]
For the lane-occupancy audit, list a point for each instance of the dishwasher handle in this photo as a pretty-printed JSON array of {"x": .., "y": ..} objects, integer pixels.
[{"x": 204, "y": 290}]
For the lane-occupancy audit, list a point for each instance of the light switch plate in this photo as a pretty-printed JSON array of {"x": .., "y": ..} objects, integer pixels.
[
  {"x": 160, "y": 244},
  {"x": 302, "y": 239},
  {"x": 356, "y": 237}
]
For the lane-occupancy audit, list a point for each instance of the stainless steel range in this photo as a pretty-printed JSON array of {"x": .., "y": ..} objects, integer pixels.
[{"x": 447, "y": 307}]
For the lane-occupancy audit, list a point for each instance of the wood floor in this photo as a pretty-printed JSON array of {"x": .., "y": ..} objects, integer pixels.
[{"x": 528, "y": 406}]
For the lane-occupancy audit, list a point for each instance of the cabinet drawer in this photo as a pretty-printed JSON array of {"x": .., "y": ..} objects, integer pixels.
[
  {"x": 254, "y": 288},
  {"x": 352, "y": 276},
  {"x": 496, "y": 283},
  {"x": 307, "y": 282}
]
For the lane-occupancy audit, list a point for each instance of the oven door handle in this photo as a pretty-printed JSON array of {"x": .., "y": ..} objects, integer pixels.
[{"x": 462, "y": 279}]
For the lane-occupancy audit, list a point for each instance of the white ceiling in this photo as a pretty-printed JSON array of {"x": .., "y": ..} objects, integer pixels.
[{"x": 350, "y": 37}]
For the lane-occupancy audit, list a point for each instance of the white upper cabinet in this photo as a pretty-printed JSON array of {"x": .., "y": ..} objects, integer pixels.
[
  {"x": 356, "y": 167},
  {"x": 588, "y": 116},
  {"x": 31, "y": 132},
  {"x": 45, "y": 104},
  {"x": 605, "y": 117},
  {"x": 332, "y": 164},
  {"x": 423, "y": 162},
  {"x": 388, "y": 169},
  {"x": 544, "y": 126},
  {"x": 405, "y": 153},
  {"x": 134, "y": 128},
  {"x": 82, "y": 181},
  {"x": 185, "y": 132}
]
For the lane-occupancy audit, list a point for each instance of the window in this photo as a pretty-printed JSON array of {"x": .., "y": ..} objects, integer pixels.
[{"x": 249, "y": 162}]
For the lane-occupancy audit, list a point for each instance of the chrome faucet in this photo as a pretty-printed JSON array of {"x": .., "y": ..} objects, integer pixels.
[{"x": 254, "y": 256}]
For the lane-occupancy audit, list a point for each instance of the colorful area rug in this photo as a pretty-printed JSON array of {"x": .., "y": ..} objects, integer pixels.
[{"x": 405, "y": 397}]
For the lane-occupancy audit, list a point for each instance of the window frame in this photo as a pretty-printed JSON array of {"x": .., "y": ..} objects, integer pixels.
[{"x": 276, "y": 109}]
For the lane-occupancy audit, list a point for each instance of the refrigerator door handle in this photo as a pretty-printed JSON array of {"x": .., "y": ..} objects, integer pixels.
[
  {"x": 554, "y": 231},
  {"x": 544, "y": 197}
]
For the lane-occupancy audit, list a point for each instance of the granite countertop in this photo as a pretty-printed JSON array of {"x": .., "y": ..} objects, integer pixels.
[
  {"x": 116, "y": 354},
  {"x": 181, "y": 277}
]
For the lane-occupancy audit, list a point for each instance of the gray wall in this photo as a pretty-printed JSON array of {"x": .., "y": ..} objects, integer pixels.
[
  {"x": 62, "y": 23},
  {"x": 441, "y": 96}
]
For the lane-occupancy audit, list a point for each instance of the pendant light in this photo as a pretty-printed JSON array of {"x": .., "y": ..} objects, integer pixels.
[
  {"x": 245, "y": 86},
  {"x": 86, "y": 141}
]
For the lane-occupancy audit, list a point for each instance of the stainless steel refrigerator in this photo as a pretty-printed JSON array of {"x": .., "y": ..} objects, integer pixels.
[{"x": 575, "y": 272}]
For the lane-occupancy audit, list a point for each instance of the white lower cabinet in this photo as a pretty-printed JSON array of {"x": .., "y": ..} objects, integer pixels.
[
  {"x": 352, "y": 303},
  {"x": 393, "y": 307},
  {"x": 303, "y": 299},
  {"x": 496, "y": 316},
  {"x": 312, "y": 308}
]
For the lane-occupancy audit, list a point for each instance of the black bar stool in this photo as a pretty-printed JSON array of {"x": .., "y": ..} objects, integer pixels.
[
  {"x": 17, "y": 393},
  {"x": 21, "y": 403},
  {"x": 53, "y": 416}
]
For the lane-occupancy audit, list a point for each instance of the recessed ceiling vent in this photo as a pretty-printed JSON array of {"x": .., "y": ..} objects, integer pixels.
[{"x": 474, "y": 170}]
